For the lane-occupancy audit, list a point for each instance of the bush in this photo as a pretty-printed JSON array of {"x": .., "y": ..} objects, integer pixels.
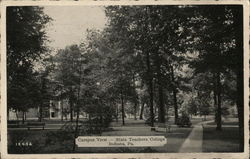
[
  {"x": 184, "y": 120},
  {"x": 61, "y": 140}
]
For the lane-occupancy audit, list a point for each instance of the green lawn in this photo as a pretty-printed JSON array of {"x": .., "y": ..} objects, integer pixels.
[{"x": 220, "y": 141}]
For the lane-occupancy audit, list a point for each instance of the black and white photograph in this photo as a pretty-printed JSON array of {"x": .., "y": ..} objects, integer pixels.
[{"x": 114, "y": 79}]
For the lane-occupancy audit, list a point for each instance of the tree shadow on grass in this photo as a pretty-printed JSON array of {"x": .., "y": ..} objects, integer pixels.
[{"x": 226, "y": 140}]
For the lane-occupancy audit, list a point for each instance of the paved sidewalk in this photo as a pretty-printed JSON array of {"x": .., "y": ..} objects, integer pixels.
[{"x": 194, "y": 141}]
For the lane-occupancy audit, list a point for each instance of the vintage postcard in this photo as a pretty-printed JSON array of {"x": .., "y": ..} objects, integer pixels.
[{"x": 125, "y": 79}]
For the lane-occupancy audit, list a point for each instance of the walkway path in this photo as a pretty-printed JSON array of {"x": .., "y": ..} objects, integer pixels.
[{"x": 193, "y": 143}]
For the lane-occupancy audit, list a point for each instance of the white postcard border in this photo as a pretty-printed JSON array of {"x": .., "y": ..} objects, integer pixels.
[{"x": 3, "y": 84}]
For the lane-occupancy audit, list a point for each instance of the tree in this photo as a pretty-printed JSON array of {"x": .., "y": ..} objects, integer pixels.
[
  {"x": 220, "y": 45},
  {"x": 44, "y": 78},
  {"x": 66, "y": 73},
  {"x": 26, "y": 43},
  {"x": 192, "y": 107},
  {"x": 159, "y": 34}
]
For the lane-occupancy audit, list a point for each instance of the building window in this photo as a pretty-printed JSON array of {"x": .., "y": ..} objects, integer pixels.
[{"x": 52, "y": 114}]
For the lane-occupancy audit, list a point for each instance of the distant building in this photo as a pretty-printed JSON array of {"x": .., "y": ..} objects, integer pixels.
[{"x": 57, "y": 109}]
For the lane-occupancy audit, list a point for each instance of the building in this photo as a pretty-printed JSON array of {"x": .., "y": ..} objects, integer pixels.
[{"x": 57, "y": 109}]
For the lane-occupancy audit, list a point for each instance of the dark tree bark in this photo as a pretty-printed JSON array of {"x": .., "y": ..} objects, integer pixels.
[
  {"x": 161, "y": 106},
  {"x": 148, "y": 65},
  {"x": 238, "y": 25},
  {"x": 117, "y": 113},
  {"x": 78, "y": 106},
  {"x": 215, "y": 93},
  {"x": 135, "y": 110},
  {"x": 135, "y": 100},
  {"x": 62, "y": 110},
  {"x": 23, "y": 117},
  {"x": 41, "y": 113},
  {"x": 142, "y": 109},
  {"x": 77, "y": 122},
  {"x": 240, "y": 108},
  {"x": 123, "y": 112},
  {"x": 176, "y": 116},
  {"x": 42, "y": 103},
  {"x": 161, "y": 111},
  {"x": 150, "y": 91},
  {"x": 71, "y": 103},
  {"x": 17, "y": 116},
  {"x": 218, "y": 117},
  {"x": 8, "y": 113}
]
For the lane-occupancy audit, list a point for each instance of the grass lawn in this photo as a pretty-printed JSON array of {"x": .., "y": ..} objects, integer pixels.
[
  {"x": 47, "y": 121},
  {"x": 220, "y": 141},
  {"x": 225, "y": 123},
  {"x": 36, "y": 137},
  {"x": 176, "y": 139},
  {"x": 39, "y": 139}
]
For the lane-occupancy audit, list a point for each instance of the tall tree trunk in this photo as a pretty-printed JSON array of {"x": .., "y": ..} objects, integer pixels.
[
  {"x": 42, "y": 102},
  {"x": 238, "y": 25},
  {"x": 77, "y": 107},
  {"x": 161, "y": 111},
  {"x": 117, "y": 112},
  {"x": 215, "y": 95},
  {"x": 62, "y": 110},
  {"x": 240, "y": 108},
  {"x": 135, "y": 111},
  {"x": 151, "y": 94},
  {"x": 142, "y": 109},
  {"x": 150, "y": 91},
  {"x": 123, "y": 112},
  {"x": 218, "y": 81},
  {"x": 76, "y": 128},
  {"x": 176, "y": 116},
  {"x": 8, "y": 113},
  {"x": 240, "y": 86},
  {"x": 23, "y": 117},
  {"x": 135, "y": 99},
  {"x": 149, "y": 73},
  {"x": 17, "y": 116},
  {"x": 161, "y": 107},
  {"x": 71, "y": 107},
  {"x": 40, "y": 112}
]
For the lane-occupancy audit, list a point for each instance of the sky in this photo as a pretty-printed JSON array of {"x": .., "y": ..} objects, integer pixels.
[{"x": 70, "y": 23}]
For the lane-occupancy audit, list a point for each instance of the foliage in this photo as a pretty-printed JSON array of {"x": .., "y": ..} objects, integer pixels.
[
  {"x": 26, "y": 43},
  {"x": 184, "y": 120}
]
